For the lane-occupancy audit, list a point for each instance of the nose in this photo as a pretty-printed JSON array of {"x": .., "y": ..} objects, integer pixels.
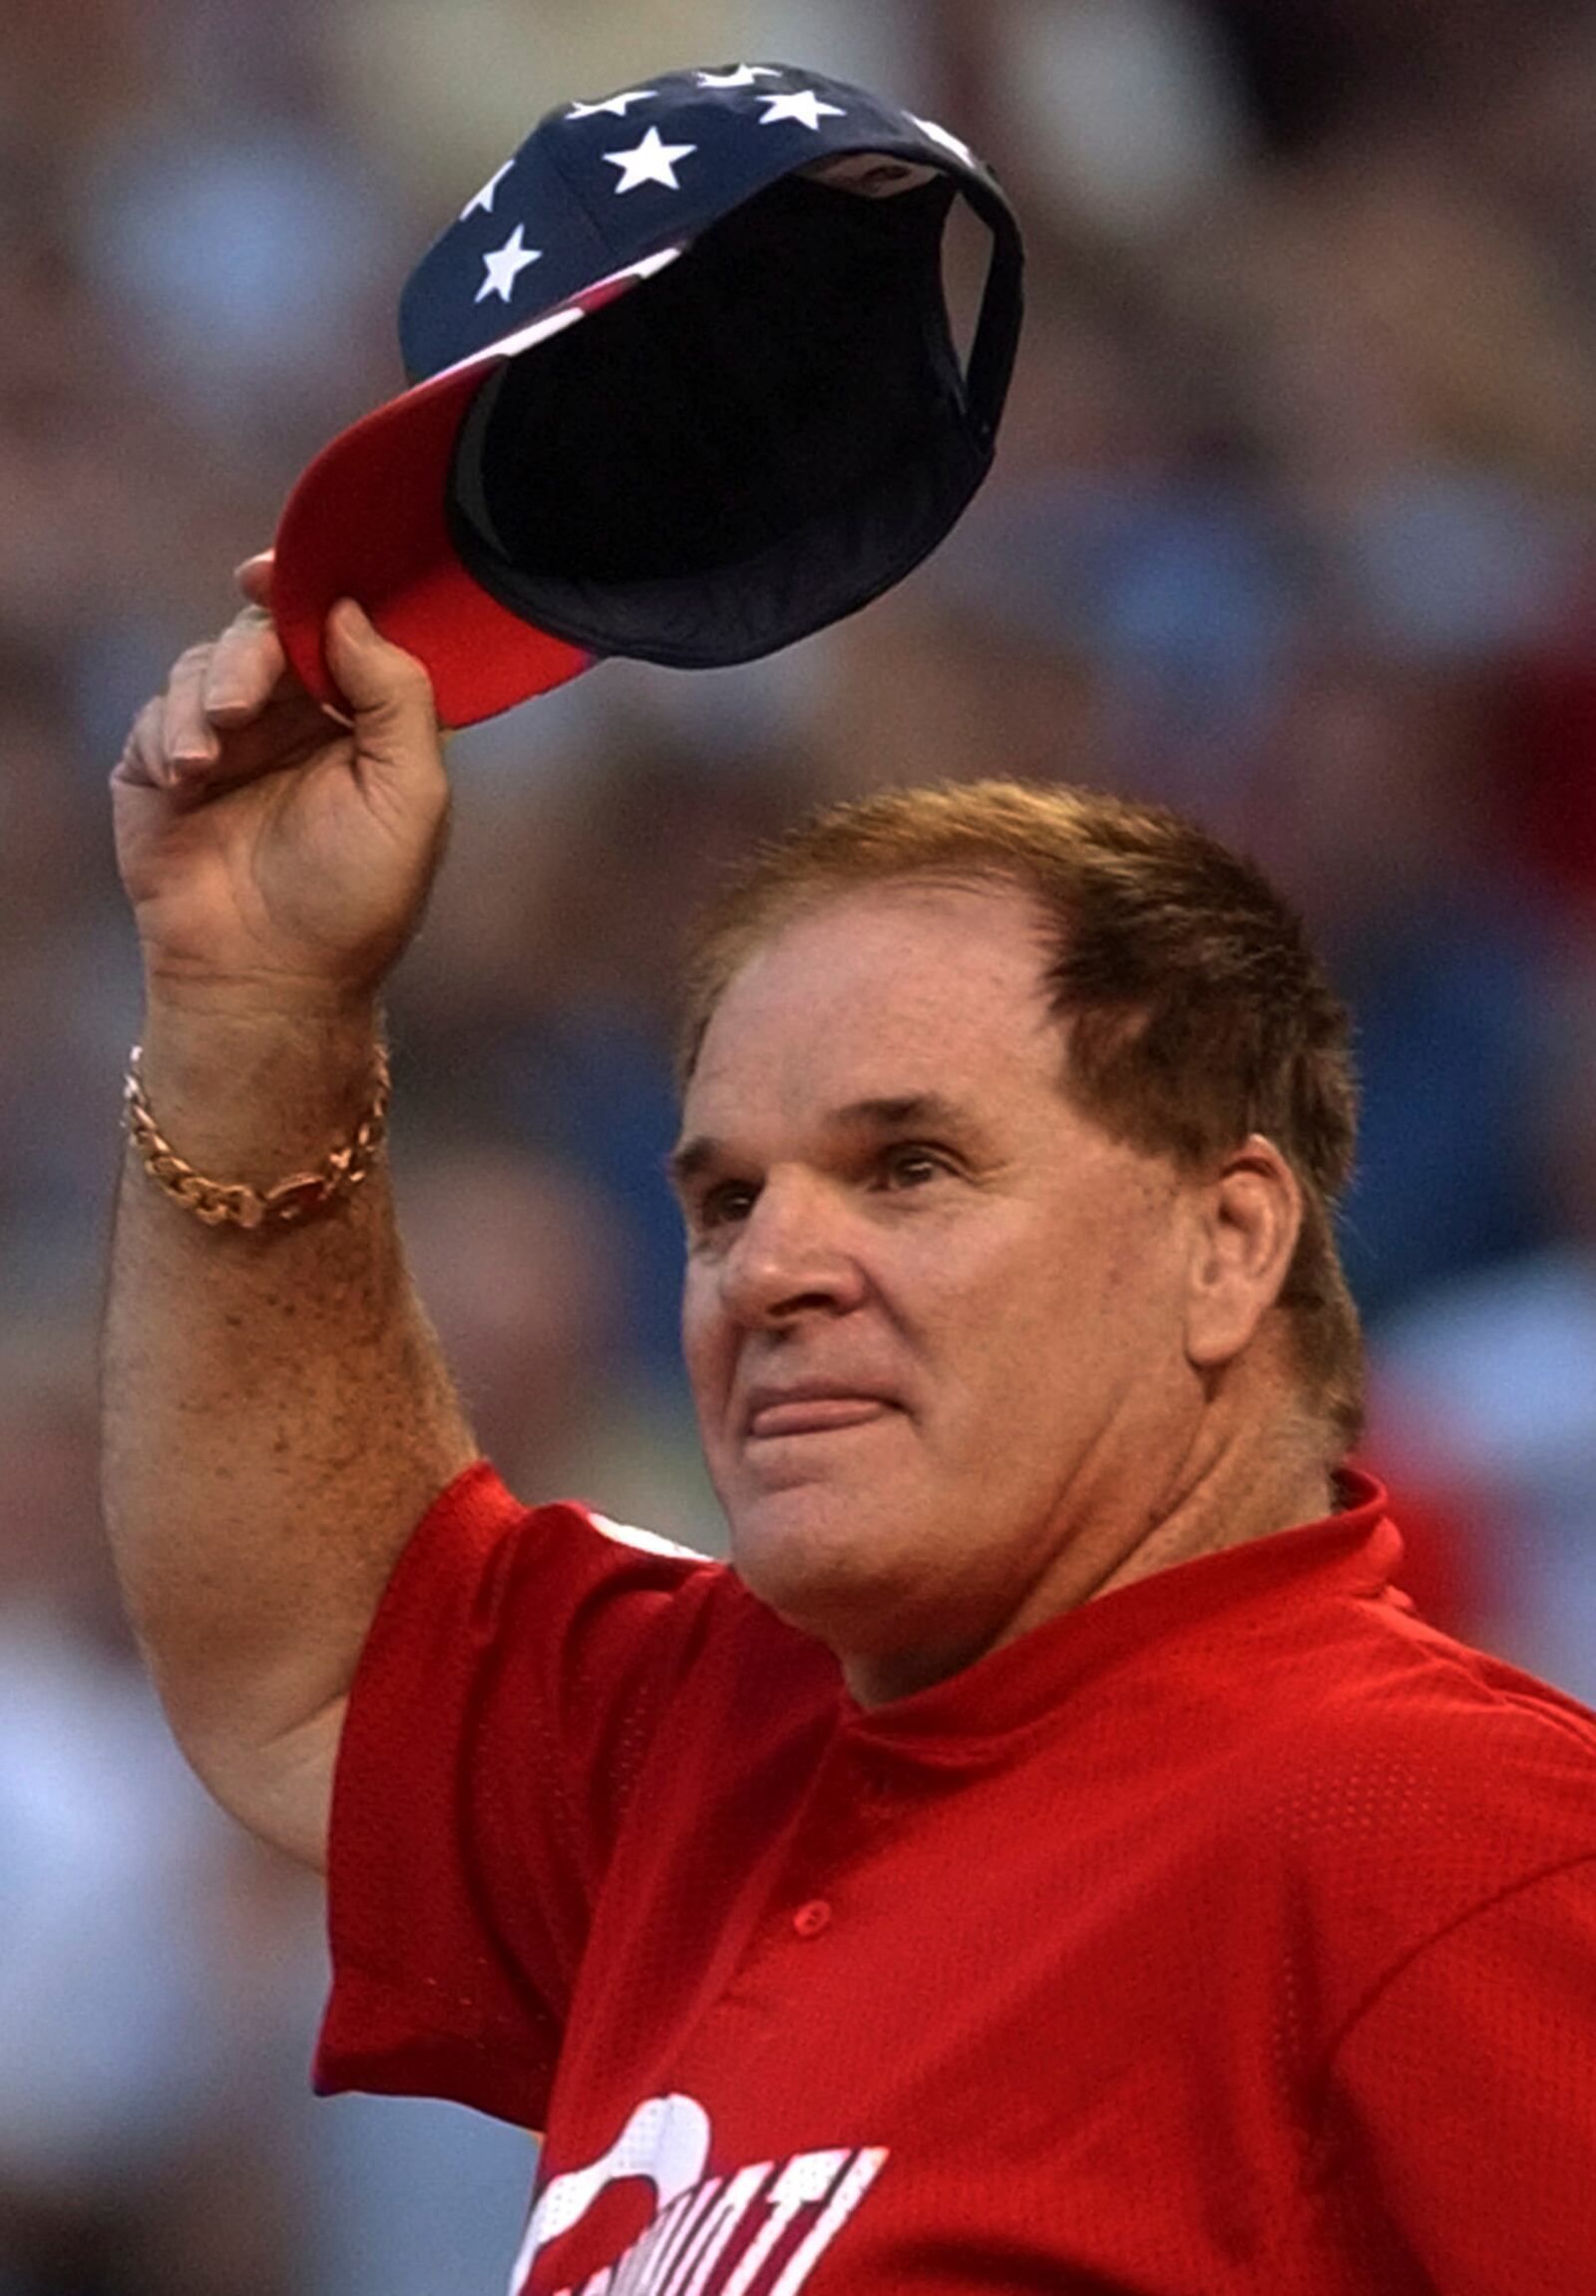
[{"x": 790, "y": 1255}]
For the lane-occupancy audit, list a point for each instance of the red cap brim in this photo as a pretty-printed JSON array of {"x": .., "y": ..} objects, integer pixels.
[{"x": 368, "y": 521}]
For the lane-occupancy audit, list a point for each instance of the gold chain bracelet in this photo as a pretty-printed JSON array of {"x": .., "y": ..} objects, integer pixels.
[{"x": 233, "y": 1202}]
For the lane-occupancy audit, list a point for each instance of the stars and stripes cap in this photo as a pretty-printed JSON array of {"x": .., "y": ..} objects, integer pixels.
[{"x": 683, "y": 387}]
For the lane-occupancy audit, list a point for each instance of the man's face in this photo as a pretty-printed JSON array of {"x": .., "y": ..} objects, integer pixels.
[{"x": 932, "y": 1315}]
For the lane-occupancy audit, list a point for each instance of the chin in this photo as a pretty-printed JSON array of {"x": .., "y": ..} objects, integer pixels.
[{"x": 822, "y": 1565}]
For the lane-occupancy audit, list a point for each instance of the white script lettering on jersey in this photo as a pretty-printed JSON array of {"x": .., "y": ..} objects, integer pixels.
[{"x": 755, "y": 2232}]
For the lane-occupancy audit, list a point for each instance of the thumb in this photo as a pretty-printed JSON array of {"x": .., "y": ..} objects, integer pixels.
[
  {"x": 253, "y": 578},
  {"x": 388, "y": 691}
]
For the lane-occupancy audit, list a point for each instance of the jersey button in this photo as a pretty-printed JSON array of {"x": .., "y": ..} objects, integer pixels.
[{"x": 812, "y": 1917}]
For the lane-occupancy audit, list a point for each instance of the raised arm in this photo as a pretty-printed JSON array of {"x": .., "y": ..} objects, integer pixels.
[{"x": 278, "y": 1416}]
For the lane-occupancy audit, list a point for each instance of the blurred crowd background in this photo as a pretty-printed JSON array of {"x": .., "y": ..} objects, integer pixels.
[{"x": 1293, "y": 528}]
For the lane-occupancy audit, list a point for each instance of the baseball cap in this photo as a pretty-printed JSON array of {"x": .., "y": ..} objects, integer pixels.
[{"x": 683, "y": 387}]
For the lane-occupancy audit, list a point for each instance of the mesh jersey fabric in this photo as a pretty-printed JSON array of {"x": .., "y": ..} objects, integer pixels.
[{"x": 1233, "y": 1932}]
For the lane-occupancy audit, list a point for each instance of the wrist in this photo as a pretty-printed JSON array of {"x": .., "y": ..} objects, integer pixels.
[
  {"x": 192, "y": 996},
  {"x": 298, "y": 1195},
  {"x": 249, "y": 1096}
]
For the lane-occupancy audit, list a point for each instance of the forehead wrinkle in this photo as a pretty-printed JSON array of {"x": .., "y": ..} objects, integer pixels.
[
  {"x": 892, "y": 1112},
  {"x": 880, "y": 1113}
]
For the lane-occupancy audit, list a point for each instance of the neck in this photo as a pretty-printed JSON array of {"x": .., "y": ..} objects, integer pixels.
[
  {"x": 1272, "y": 1483},
  {"x": 1228, "y": 1487}
]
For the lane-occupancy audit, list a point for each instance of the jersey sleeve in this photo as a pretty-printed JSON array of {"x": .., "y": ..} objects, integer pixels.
[
  {"x": 1463, "y": 2099},
  {"x": 504, "y": 1698}
]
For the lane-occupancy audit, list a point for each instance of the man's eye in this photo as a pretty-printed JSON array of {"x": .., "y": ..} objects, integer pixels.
[
  {"x": 911, "y": 1165},
  {"x": 732, "y": 1200}
]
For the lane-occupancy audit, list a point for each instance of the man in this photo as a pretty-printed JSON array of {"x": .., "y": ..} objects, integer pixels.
[{"x": 1055, "y": 1856}]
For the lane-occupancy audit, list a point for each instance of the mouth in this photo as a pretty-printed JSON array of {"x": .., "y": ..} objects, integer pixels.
[{"x": 775, "y": 1416}]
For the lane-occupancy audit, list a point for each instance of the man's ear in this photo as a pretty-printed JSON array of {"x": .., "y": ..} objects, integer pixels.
[{"x": 1248, "y": 1218}]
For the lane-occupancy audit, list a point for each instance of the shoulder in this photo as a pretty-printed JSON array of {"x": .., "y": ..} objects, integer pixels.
[
  {"x": 1403, "y": 1729},
  {"x": 732, "y": 1656},
  {"x": 1414, "y": 1780}
]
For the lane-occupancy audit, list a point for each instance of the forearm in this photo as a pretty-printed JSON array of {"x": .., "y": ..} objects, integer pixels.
[{"x": 278, "y": 1416}]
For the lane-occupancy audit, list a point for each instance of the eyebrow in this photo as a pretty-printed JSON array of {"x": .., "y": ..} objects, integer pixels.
[{"x": 896, "y": 1112}]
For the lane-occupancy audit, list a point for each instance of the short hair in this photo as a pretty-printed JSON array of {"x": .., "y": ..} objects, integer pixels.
[{"x": 1197, "y": 1011}]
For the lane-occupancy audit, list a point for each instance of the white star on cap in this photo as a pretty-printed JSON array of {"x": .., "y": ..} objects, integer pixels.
[
  {"x": 483, "y": 199},
  {"x": 615, "y": 104},
  {"x": 806, "y": 108},
  {"x": 744, "y": 75},
  {"x": 506, "y": 262},
  {"x": 650, "y": 162},
  {"x": 941, "y": 136}
]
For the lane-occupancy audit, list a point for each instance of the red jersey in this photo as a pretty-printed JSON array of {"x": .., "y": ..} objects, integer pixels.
[{"x": 1233, "y": 1932}]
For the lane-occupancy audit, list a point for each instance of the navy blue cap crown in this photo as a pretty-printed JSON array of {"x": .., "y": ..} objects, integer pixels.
[
  {"x": 769, "y": 431},
  {"x": 598, "y": 185}
]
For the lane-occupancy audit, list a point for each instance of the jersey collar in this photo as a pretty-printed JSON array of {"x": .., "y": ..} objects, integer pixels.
[{"x": 1239, "y": 1596}]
